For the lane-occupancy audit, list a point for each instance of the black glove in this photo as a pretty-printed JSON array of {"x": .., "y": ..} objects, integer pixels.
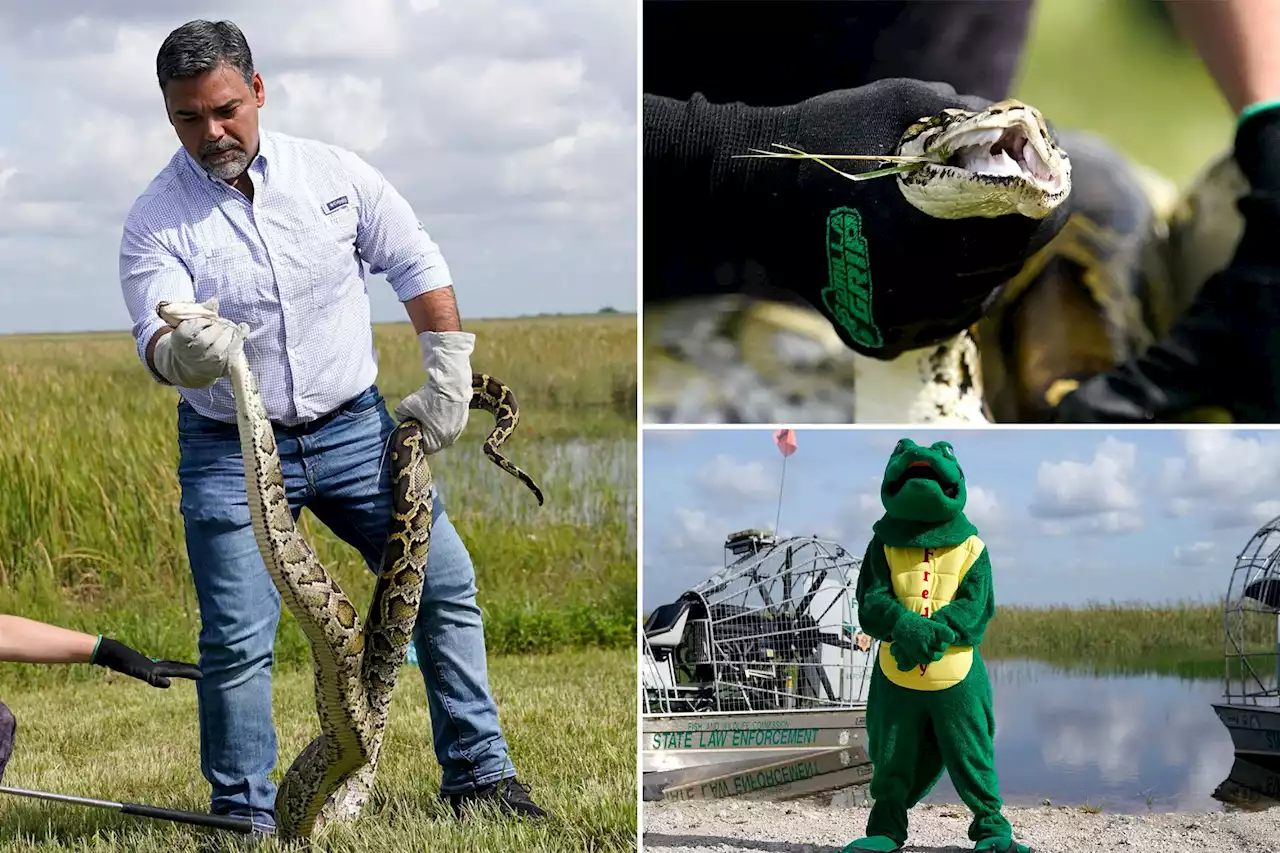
[
  {"x": 119, "y": 657},
  {"x": 1222, "y": 351},
  {"x": 717, "y": 224}
]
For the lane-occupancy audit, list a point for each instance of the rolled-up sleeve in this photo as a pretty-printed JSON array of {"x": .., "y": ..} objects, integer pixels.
[
  {"x": 390, "y": 237},
  {"x": 150, "y": 273}
]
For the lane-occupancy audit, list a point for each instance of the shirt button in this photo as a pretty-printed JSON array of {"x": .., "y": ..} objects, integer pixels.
[{"x": 285, "y": 304}]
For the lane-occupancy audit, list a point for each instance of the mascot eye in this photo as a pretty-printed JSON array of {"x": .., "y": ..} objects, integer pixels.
[
  {"x": 947, "y": 450},
  {"x": 902, "y": 445}
]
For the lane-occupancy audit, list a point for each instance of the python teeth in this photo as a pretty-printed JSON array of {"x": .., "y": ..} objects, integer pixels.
[
  {"x": 996, "y": 151},
  {"x": 974, "y": 138}
]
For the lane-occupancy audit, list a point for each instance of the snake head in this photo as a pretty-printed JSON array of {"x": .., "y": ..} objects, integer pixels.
[
  {"x": 174, "y": 313},
  {"x": 994, "y": 162}
]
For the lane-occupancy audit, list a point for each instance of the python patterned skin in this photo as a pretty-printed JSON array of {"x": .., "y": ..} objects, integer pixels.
[{"x": 356, "y": 666}]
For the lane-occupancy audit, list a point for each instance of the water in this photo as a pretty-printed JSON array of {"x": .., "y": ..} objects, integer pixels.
[
  {"x": 586, "y": 483},
  {"x": 1124, "y": 742}
]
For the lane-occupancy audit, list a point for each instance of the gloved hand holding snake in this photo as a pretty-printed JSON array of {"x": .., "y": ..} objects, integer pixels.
[
  {"x": 895, "y": 263},
  {"x": 1223, "y": 350}
]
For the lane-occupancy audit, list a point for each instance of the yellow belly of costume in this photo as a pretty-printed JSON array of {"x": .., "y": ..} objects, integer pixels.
[
  {"x": 939, "y": 675},
  {"x": 925, "y": 580}
]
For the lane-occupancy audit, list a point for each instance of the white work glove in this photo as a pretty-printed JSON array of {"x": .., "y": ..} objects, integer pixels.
[
  {"x": 443, "y": 403},
  {"x": 195, "y": 354}
]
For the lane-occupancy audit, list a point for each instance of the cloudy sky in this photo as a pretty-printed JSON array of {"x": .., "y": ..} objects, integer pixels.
[
  {"x": 509, "y": 126},
  {"x": 1152, "y": 515}
]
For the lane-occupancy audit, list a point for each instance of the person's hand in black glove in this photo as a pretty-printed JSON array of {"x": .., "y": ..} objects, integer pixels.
[
  {"x": 888, "y": 276},
  {"x": 24, "y": 640},
  {"x": 1225, "y": 349},
  {"x": 117, "y": 656}
]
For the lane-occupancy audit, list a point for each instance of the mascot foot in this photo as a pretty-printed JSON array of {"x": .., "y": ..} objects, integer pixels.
[
  {"x": 872, "y": 844},
  {"x": 1001, "y": 845}
]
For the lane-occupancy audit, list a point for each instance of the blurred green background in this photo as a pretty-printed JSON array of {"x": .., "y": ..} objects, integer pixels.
[{"x": 1120, "y": 69}]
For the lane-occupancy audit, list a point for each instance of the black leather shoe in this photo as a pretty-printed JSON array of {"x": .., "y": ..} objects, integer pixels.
[{"x": 510, "y": 796}]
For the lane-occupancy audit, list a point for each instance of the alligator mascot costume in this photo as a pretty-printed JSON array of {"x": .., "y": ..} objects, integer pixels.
[{"x": 925, "y": 592}]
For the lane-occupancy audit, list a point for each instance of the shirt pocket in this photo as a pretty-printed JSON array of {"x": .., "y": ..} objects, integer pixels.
[
  {"x": 229, "y": 272},
  {"x": 329, "y": 250}
]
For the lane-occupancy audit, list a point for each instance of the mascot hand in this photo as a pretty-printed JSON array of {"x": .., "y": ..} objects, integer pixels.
[
  {"x": 941, "y": 638},
  {"x": 905, "y": 661},
  {"x": 912, "y": 637}
]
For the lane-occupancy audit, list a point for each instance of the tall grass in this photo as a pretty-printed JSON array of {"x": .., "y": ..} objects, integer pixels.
[
  {"x": 91, "y": 536},
  {"x": 1184, "y": 639}
]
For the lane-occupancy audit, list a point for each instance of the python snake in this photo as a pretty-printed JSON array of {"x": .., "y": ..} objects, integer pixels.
[{"x": 355, "y": 665}]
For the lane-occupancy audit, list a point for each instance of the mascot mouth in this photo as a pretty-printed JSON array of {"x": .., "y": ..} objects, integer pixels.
[{"x": 924, "y": 471}]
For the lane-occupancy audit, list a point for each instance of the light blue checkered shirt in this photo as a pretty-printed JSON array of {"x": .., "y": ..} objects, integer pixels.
[{"x": 288, "y": 264}]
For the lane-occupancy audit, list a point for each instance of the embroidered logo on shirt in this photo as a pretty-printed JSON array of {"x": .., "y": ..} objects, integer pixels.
[{"x": 337, "y": 204}]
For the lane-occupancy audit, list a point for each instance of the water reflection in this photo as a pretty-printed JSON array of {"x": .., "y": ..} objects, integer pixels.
[
  {"x": 1252, "y": 785},
  {"x": 1125, "y": 743},
  {"x": 825, "y": 771},
  {"x": 587, "y": 483}
]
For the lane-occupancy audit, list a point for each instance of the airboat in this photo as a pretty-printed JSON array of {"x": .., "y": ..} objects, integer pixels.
[
  {"x": 1251, "y": 699},
  {"x": 756, "y": 678}
]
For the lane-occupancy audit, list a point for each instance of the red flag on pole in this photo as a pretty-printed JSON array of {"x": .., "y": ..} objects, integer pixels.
[{"x": 786, "y": 441}]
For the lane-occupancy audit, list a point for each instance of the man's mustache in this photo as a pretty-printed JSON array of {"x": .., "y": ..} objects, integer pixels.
[{"x": 217, "y": 148}]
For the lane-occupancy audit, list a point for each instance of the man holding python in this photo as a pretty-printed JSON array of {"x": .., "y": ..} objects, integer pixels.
[{"x": 269, "y": 230}]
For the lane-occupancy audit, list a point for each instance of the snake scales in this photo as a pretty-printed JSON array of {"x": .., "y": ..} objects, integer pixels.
[{"x": 356, "y": 665}]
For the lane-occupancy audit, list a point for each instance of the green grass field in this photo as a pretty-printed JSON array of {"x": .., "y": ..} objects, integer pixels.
[
  {"x": 91, "y": 535},
  {"x": 91, "y": 538},
  {"x": 570, "y": 719}
]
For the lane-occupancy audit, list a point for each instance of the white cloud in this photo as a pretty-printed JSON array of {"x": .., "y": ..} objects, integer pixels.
[
  {"x": 736, "y": 481},
  {"x": 1099, "y": 496},
  {"x": 861, "y": 510},
  {"x": 1105, "y": 735},
  {"x": 1228, "y": 477},
  {"x": 684, "y": 546},
  {"x": 1196, "y": 554},
  {"x": 693, "y": 528},
  {"x": 509, "y": 126},
  {"x": 983, "y": 509},
  {"x": 347, "y": 110}
]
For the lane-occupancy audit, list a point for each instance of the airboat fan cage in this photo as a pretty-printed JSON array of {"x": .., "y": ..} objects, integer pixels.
[
  {"x": 1252, "y": 621},
  {"x": 776, "y": 629}
]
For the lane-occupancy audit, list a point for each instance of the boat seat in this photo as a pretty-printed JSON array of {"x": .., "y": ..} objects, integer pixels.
[
  {"x": 664, "y": 629},
  {"x": 1266, "y": 591}
]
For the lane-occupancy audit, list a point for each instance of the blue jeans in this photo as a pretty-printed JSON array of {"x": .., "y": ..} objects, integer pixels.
[{"x": 334, "y": 467}]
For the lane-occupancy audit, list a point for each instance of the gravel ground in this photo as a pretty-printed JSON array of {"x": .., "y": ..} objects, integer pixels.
[{"x": 764, "y": 827}]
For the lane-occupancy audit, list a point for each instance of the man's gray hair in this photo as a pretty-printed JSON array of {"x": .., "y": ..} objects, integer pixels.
[{"x": 200, "y": 46}]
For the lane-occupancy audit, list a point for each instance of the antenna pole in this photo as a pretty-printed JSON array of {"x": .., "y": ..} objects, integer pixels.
[{"x": 778, "y": 518}]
